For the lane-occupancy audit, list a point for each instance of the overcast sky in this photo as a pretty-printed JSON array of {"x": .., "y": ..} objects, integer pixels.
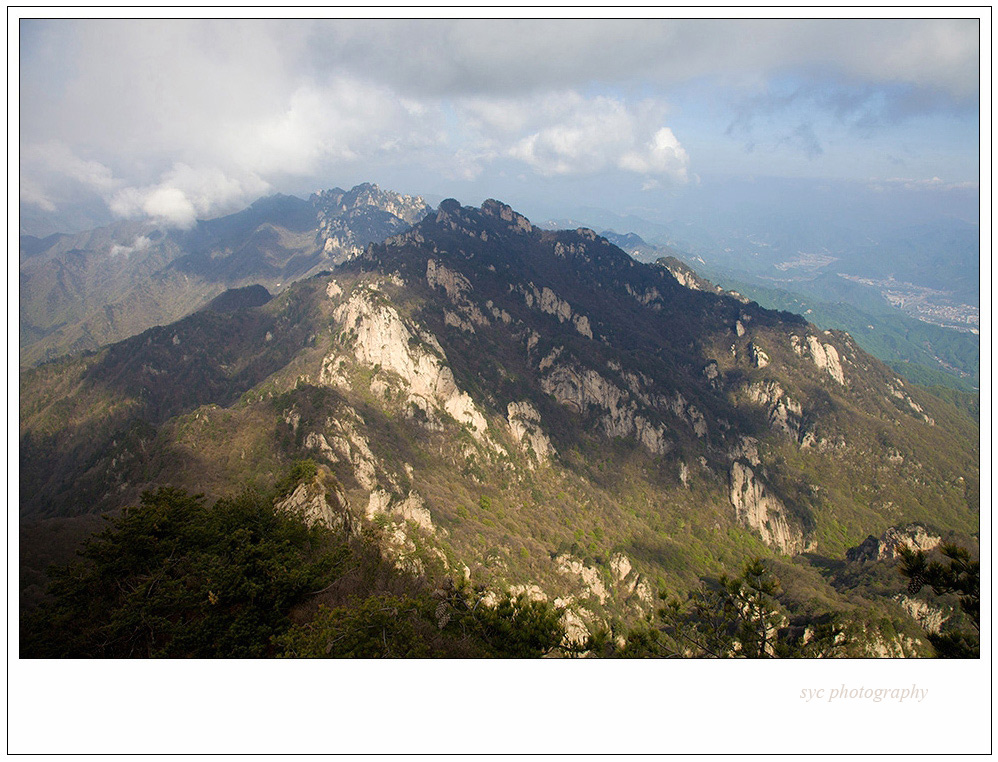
[{"x": 182, "y": 119}]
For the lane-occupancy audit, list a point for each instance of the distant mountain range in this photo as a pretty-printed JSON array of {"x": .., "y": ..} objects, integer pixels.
[
  {"x": 80, "y": 292},
  {"x": 530, "y": 410}
]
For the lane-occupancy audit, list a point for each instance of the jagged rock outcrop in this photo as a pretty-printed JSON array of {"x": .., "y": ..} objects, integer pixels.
[
  {"x": 580, "y": 388},
  {"x": 627, "y": 583},
  {"x": 912, "y": 536},
  {"x": 548, "y": 302},
  {"x": 320, "y": 501},
  {"x": 650, "y": 297},
  {"x": 498, "y": 209},
  {"x": 589, "y": 576},
  {"x": 825, "y": 356},
  {"x": 349, "y": 220},
  {"x": 757, "y": 508},
  {"x": 341, "y": 440},
  {"x": 529, "y": 591},
  {"x": 525, "y": 424},
  {"x": 785, "y": 413},
  {"x": 928, "y": 616},
  {"x": 759, "y": 357},
  {"x": 897, "y": 392},
  {"x": 411, "y": 507},
  {"x": 383, "y": 340},
  {"x": 457, "y": 288}
]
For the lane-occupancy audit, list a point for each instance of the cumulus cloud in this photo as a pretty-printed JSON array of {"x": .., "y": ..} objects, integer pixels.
[
  {"x": 185, "y": 193},
  {"x": 661, "y": 155},
  {"x": 566, "y": 133},
  {"x": 179, "y": 119}
]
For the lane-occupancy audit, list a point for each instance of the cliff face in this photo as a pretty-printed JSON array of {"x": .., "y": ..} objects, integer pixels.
[
  {"x": 380, "y": 339},
  {"x": 758, "y": 509}
]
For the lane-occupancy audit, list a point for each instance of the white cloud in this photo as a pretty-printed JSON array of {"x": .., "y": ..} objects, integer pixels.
[
  {"x": 185, "y": 194},
  {"x": 141, "y": 243},
  {"x": 588, "y": 135},
  {"x": 48, "y": 167},
  {"x": 174, "y": 118},
  {"x": 33, "y": 194},
  {"x": 662, "y": 155}
]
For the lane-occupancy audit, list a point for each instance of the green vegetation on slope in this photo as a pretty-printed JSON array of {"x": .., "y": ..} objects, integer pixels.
[
  {"x": 175, "y": 577},
  {"x": 923, "y": 353}
]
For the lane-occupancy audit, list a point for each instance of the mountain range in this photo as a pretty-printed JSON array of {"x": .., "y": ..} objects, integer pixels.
[
  {"x": 533, "y": 411},
  {"x": 79, "y": 292}
]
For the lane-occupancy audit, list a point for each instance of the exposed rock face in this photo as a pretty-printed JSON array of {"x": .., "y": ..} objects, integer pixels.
[
  {"x": 549, "y": 302},
  {"x": 580, "y": 388},
  {"x": 455, "y": 284},
  {"x": 785, "y": 414},
  {"x": 409, "y": 209},
  {"x": 929, "y": 617},
  {"x": 342, "y": 441},
  {"x": 912, "y": 536},
  {"x": 410, "y": 508},
  {"x": 317, "y": 504},
  {"x": 620, "y": 566},
  {"x": 756, "y": 508},
  {"x": 650, "y": 297},
  {"x": 903, "y": 397},
  {"x": 384, "y": 340},
  {"x": 825, "y": 356},
  {"x": 504, "y": 212},
  {"x": 688, "y": 413},
  {"x": 629, "y": 582},
  {"x": 457, "y": 288},
  {"x": 684, "y": 278},
  {"x": 759, "y": 358},
  {"x": 589, "y": 576},
  {"x": 349, "y": 220},
  {"x": 576, "y": 631},
  {"x": 629, "y": 409},
  {"x": 530, "y": 592},
  {"x": 524, "y": 422},
  {"x": 746, "y": 448}
]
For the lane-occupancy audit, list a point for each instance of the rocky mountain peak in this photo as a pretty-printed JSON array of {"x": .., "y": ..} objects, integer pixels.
[
  {"x": 336, "y": 201},
  {"x": 493, "y": 208}
]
